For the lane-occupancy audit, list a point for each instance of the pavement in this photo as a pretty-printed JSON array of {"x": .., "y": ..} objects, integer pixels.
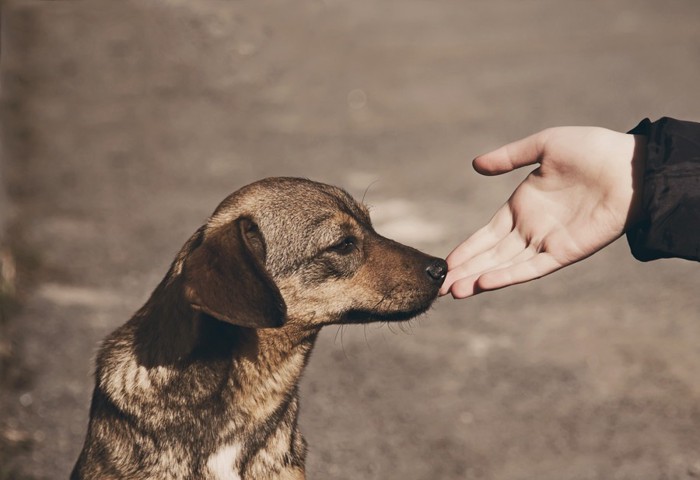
[{"x": 125, "y": 123}]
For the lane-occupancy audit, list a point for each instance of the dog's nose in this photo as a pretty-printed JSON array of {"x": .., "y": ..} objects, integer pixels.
[{"x": 437, "y": 270}]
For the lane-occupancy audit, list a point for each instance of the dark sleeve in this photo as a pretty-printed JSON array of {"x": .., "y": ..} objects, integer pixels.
[{"x": 671, "y": 192}]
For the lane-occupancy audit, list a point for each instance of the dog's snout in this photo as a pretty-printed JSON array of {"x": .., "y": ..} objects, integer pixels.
[{"x": 437, "y": 269}]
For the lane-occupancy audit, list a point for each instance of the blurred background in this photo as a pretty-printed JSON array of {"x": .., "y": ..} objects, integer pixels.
[{"x": 126, "y": 122}]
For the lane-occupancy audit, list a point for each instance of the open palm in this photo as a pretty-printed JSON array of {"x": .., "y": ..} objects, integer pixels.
[{"x": 580, "y": 199}]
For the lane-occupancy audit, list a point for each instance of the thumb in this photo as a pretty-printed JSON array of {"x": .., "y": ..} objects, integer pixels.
[{"x": 520, "y": 153}]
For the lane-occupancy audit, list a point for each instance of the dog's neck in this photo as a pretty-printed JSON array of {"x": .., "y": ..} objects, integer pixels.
[{"x": 261, "y": 366}]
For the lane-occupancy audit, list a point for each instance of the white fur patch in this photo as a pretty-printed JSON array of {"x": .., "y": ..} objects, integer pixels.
[{"x": 223, "y": 464}]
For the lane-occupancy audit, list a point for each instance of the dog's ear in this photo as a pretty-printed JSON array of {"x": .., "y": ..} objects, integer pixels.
[{"x": 225, "y": 277}]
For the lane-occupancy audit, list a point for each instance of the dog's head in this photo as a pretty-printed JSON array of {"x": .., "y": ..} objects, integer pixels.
[{"x": 288, "y": 250}]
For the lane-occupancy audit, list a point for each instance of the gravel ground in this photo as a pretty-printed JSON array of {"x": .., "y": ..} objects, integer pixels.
[{"x": 125, "y": 123}]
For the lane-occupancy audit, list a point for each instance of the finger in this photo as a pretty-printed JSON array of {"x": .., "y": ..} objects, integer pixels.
[
  {"x": 464, "y": 287},
  {"x": 520, "y": 153},
  {"x": 501, "y": 254},
  {"x": 483, "y": 239},
  {"x": 525, "y": 255},
  {"x": 467, "y": 286},
  {"x": 538, "y": 266}
]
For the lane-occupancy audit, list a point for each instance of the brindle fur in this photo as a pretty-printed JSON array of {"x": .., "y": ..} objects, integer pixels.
[{"x": 202, "y": 382}]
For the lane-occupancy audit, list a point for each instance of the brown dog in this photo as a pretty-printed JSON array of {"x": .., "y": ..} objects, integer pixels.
[{"x": 202, "y": 382}]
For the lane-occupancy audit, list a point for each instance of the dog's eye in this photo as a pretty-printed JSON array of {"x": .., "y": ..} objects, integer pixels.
[{"x": 346, "y": 245}]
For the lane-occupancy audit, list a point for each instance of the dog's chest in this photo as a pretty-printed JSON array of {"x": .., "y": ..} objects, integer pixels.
[
  {"x": 224, "y": 463},
  {"x": 231, "y": 461}
]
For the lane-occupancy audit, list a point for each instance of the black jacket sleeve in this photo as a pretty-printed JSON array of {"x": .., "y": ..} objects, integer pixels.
[{"x": 671, "y": 192}]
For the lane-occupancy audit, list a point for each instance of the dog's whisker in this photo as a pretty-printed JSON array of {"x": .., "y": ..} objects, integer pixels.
[
  {"x": 335, "y": 338},
  {"x": 406, "y": 327},
  {"x": 364, "y": 331},
  {"x": 342, "y": 345},
  {"x": 367, "y": 190}
]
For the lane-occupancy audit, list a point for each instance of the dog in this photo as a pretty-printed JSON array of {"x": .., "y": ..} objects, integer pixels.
[{"x": 202, "y": 382}]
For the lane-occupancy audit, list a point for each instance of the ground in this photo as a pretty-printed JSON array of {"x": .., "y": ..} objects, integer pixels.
[{"x": 125, "y": 123}]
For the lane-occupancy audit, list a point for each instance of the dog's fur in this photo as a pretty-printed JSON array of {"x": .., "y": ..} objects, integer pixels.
[{"x": 202, "y": 382}]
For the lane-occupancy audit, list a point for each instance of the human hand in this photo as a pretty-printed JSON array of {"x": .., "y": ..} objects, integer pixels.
[{"x": 582, "y": 197}]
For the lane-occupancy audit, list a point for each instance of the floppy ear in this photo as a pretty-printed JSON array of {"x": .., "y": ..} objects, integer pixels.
[{"x": 225, "y": 278}]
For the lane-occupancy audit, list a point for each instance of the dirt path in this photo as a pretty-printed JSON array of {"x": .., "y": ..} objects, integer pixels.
[{"x": 126, "y": 123}]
